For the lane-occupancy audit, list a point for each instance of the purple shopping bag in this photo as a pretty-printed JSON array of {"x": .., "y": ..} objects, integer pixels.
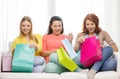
[{"x": 6, "y": 61}]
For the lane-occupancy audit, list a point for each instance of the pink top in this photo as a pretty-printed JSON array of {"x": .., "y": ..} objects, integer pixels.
[{"x": 52, "y": 42}]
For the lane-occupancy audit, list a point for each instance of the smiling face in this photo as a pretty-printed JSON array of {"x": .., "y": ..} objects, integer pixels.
[
  {"x": 56, "y": 27},
  {"x": 90, "y": 26},
  {"x": 26, "y": 27}
]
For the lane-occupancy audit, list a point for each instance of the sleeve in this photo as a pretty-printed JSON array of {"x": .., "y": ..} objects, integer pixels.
[
  {"x": 109, "y": 40},
  {"x": 16, "y": 41},
  {"x": 44, "y": 42},
  {"x": 39, "y": 44},
  {"x": 44, "y": 47}
]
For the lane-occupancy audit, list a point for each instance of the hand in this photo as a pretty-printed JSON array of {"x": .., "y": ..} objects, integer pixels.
[
  {"x": 81, "y": 39},
  {"x": 32, "y": 45},
  {"x": 53, "y": 51},
  {"x": 102, "y": 46},
  {"x": 70, "y": 37}
]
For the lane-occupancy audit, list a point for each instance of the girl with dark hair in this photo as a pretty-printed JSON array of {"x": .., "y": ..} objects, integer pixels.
[{"x": 52, "y": 41}]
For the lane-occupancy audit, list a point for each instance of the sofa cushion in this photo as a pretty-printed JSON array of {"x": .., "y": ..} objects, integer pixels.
[
  {"x": 28, "y": 76},
  {"x": 107, "y": 75},
  {"x": 73, "y": 75}
]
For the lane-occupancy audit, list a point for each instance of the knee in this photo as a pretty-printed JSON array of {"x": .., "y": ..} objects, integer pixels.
[
  {"x": 54, "y": 57},
  {"x": 42, "y": 60},
  {"x": 107, "y": 50},
  {"x": 53, "y": 68},
  {"x": 50, "y": 67},
  {"x": 110, "y": 49},
  {"x": 110, "y": 64},
  {"x": 38, "y": 60}
]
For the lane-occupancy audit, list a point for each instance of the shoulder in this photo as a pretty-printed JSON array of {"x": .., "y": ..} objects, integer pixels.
[
  {"x": 37, "y": 35},
  {"x": 47, "y": 36},
  {"x": 17, "y": 38},
  {"x": 103, "y": 32}
]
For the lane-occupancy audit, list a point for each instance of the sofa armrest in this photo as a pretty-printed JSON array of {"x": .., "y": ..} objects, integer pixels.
[{"x": 117, "y": 56}]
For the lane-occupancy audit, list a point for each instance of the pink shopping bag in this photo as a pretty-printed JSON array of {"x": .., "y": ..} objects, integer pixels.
[
  {"x": 90, "y": 51},
  {"x": 6, "y": 61}
]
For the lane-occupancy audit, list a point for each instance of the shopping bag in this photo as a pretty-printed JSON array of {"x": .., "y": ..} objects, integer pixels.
[
  {"x": 69, "y": 48},
  {"x": 6, "y": 61},
  {"x": 23, "y": 58},
  {"x": 65, "y": 60},
  {"x": 90, "y": 51}
]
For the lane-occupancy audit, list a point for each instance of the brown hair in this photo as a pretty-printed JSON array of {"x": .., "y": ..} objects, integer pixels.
[
  {"x": 92, "y": 17},
  {"x": 54, "y": 18}
]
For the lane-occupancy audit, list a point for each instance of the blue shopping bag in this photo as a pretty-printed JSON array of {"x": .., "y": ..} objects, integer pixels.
[
  {"x": 23, "y": 58},
  {"x": 70, "y": 50}
]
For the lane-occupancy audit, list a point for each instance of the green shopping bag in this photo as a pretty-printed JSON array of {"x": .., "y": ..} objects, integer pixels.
[
  {"x": 23, "y": 58},
  {"x": 65, "y": 60}
]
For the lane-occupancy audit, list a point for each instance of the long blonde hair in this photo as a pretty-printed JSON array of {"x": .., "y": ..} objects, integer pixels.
[{"x": 27, "y": 18}]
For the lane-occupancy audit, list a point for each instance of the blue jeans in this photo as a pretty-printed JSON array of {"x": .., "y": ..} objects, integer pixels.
[
  {"x": 38, "y": 64},
  {"x": 107, "y": 63}
]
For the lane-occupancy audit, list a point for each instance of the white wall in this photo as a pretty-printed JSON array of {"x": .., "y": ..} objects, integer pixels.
[
  {"x": 11, "y": 12},
  {"x": 112, "y": 19},
  {"x": 71, "y": 11},
  {"x": 74, "y": 11}
]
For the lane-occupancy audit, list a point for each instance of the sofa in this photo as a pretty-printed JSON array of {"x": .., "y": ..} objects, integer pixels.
[{"x": 65, "y": 75}]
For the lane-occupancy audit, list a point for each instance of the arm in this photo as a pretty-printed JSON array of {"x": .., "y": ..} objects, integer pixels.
[
  {"x": 79, "y": 39},
  {"x": 70, "y": 37},
  {"x": 39, "y": 44},
  {"x": 16, "y": 41},
  {"x": 45, "y": 52},
  {"x": 109, "y": 40}
]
